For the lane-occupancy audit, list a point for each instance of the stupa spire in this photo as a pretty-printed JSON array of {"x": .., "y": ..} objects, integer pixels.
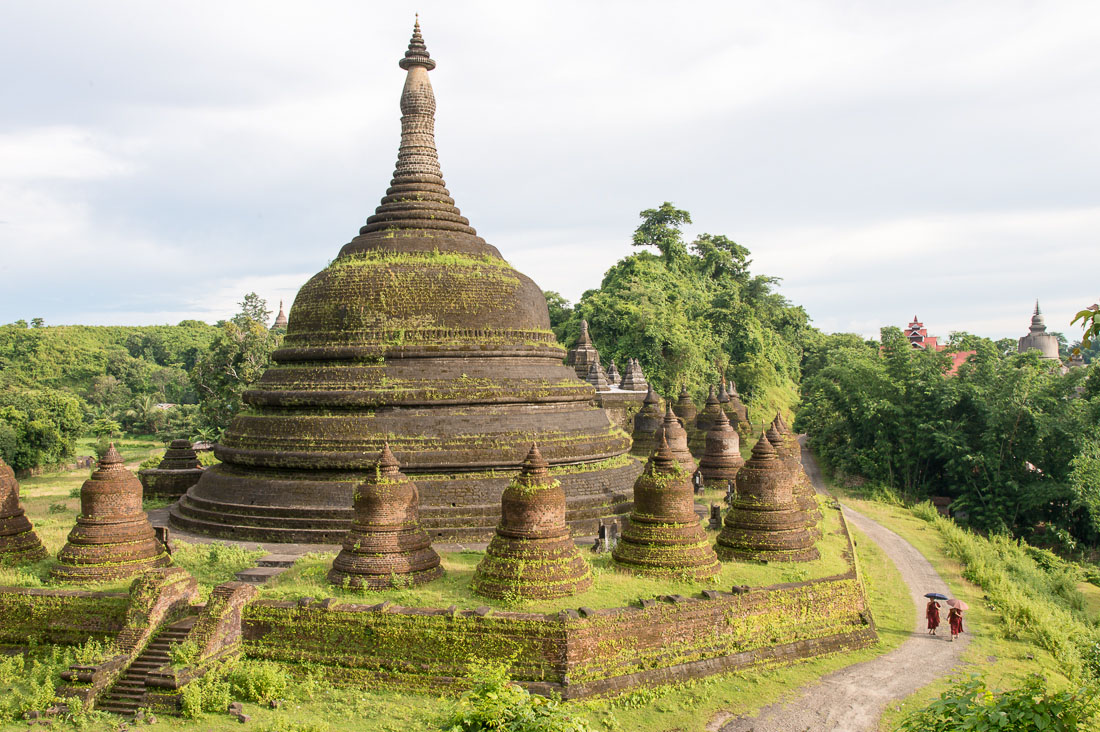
[{"x": 417, "y": 197}]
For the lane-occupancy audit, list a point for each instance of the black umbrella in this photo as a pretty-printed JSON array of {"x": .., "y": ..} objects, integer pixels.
[{"x": 935, "y": 596}]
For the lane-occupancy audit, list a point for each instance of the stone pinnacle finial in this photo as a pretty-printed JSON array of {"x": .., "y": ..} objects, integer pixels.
[
  {"x": 535, "y": 465},
  {"x": 721, "y": 419},
  {"x": 417, "y": 197},
  {"x": 712, "y": 398},
  {"x": 651, "y": 397},
  {"x": 663, "y": 458},
  {"x": 763, "y": 449},
  {"x": 387, "y": 463},
  {"x": 111, "y": 457},
  {"x": 1037, "y": 311},
  {"x": 417, "y": 55},
  {"x": 584, "y": 338}
]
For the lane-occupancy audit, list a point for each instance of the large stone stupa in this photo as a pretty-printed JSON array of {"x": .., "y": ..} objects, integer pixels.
[{"x": 421, "y": 335}]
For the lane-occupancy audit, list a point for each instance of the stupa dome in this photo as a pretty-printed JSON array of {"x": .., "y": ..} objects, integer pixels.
[{"x": 419, "y": 333}]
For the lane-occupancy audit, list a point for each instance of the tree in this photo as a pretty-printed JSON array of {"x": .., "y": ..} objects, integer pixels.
[
  {"x": 253, "y": 310},
  {"x": 1090, "y": 322},
  {"x": 660, "y": 228},
  {"x": 239, "y": 355},
  {"x": 37, "y": 322},
  {"x": 558, "y": 307}
]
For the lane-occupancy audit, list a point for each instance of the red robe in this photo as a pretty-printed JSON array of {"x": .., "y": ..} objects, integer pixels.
[
  {"x": 932, "y": 612},
  {"x": 955, "y": 617}
]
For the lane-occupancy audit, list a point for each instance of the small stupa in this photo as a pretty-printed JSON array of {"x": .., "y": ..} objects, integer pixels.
[
  {"x": 179, "y": 470},
  {"x": 613, "y": 376},
  {"x": 663, "y": 536},
  {"x": 596, "y": 377},
  {"x": 280, "y": 319},
  {"x": 685, "y": 408},
  {"x": 764, "y": 522},
  {"x": 112, "y": 538},
  {"x": 633, "y": 378},
  {"x": 722, "y": 457},
  {"x": 790, "y": 451},
  {"x": 18, "y": 542},
  {"x": 706, "y": 418},
  {"x": 1038, "y": 339},
  {"x": 385, "y": 546},
  {"x": 646, "y": 423},
  {"x": 674, "y": 434},
  {"x": 734, "y": 406},
  {"x": 532, "y": 555},
  {"x": 583, "y": 354}
]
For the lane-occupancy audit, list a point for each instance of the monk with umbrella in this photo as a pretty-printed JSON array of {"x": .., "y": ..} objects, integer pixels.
[
  {"x": 932, "y": 611},
  {"x": 955, "y": 617}
]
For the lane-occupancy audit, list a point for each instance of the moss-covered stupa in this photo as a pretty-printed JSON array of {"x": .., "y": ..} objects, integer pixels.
[
  {"x": 18, "y": 542},
  {"x": 419, "y": 334},
  {"x": 675, "y": 436},
  {"x": 664, "y": 536},
  {"x": 722, "y": 458},
  {"x": 112, "y": 538},
  {"x": 385, "y": 545},
  {"x": 764, "y": 522},
  {"x": 685, "y": 408},
  {"x": 532, "y": 554},
  {"x": 179, "y": 470},
  {"x": 790, "y": 451},
  {"x": 647, "y": 422}
]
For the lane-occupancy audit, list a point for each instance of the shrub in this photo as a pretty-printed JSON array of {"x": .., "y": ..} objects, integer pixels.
[
  {"x": 496, "y": 703},
  {"x": 258, "y": 681},
  {"x": 209, "y": 693},
  {"x": 970, "y": 705}
]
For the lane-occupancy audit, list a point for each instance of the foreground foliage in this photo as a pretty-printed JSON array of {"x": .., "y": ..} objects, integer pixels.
[
  {"x": 494, "y": 702},
  {"x": 970, "y": 705}
]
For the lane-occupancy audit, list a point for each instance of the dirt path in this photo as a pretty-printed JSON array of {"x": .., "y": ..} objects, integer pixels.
[{"x": 853, "y": 698}]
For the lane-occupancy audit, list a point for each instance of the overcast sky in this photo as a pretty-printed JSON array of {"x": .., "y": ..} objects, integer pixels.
[{"x": 160, "y": 159}]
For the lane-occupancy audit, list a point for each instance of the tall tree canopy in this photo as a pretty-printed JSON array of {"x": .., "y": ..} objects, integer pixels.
[{"x": 692, "y": 314}]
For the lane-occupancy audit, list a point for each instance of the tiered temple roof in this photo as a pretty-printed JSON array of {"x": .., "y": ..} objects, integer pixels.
[
  {"x": 664, "y": 536},
  {"x": 112, "y": 538},
  {"x": 764, "y": 521},
  {"x": 418, "y": 333},
  {"x": 386, "y": 546},
  {"x": 18, "y": 542},
  {"x": 532, "y": 554}
]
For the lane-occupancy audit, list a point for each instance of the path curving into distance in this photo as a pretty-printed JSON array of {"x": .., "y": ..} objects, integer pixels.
[{"x": 853, "y": 698}]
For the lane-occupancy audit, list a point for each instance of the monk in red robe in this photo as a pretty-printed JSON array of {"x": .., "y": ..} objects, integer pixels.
[
  {"x": 955, "y": 620},
  {"x": 932, "y": 612}
]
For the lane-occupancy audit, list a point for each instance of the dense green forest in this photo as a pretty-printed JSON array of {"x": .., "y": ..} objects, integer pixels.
[
  {"x": 62, "y": 382},
  {"x": 692, "y": 314},
  {"x": 1013, "y": 440}
]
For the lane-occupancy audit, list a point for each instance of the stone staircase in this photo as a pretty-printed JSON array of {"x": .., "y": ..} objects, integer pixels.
[{"x": 128, "y": 692}]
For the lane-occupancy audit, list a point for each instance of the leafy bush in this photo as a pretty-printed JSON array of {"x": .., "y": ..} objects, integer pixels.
[
  {"x": 970, "y": 705},
  {"x": 258, "y": 681},
  {"x": 30, "y": 682},
  {"x": 496, "y": 703},
  {"x": 183, "y": 654},
  {"x": 210, "y": 693}
]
